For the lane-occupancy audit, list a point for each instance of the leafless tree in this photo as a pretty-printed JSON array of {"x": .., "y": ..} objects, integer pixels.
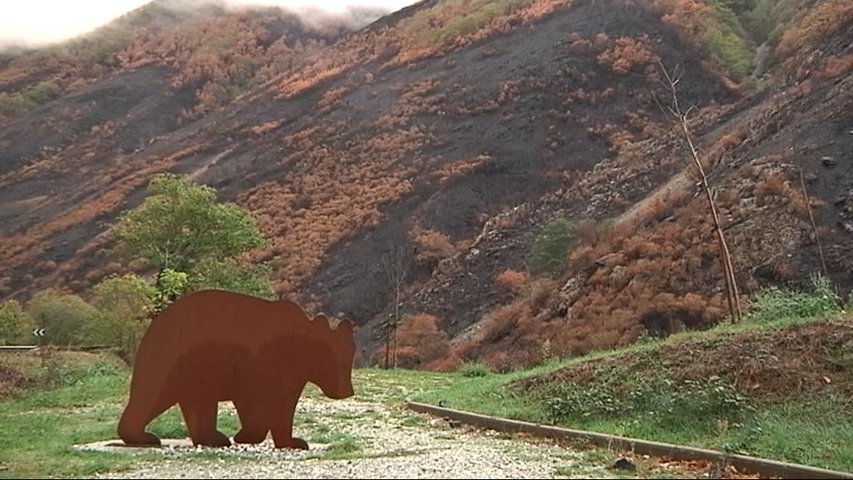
[
  {"x": 672, "y": 79},
  {"x": 814, "y": 226},
  {"x": 397, "y": 263}
]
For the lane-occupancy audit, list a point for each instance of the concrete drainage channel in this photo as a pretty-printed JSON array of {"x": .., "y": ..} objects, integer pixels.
[{"x": 770, "y": 468}]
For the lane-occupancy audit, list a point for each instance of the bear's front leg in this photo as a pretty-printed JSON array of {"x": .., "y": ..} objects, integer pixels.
[
  {"x": 200, "y": 417},
  {"x": 282, "y": 424}
]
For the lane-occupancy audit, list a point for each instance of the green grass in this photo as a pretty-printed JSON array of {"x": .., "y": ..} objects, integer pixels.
[
  {"x": 412, "y": 421},
  {"x": 40, "y": 429},
  {"x": 708, "y": 413},
  {"x": 342, "y": 446},
  {"x": 818, "y": 434},
  {"x": 324, "y": 434},
  {"x": 392, "y": 387},
  {"x": 79, "y": 401}
]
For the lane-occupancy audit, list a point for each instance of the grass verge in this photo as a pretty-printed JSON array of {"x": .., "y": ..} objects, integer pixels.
[{"x": 779, "y": 389}]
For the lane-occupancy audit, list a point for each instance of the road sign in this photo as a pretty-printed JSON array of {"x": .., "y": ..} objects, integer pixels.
[{"x": 39, "y": 332}]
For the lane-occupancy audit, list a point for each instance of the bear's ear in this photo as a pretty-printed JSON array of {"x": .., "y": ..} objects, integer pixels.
[{"x": 345, "y": 327}]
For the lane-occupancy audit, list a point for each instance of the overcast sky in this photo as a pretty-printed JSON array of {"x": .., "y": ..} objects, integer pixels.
[{"x": 35, "y": 22}]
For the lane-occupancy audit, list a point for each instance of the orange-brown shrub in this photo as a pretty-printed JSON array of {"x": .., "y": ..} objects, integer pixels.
[
  {"x": 420, "y": 341},
  {"x": 819, "y": 22},
  {"x": 591, "y": 232},
  {"x": 511, "y": 280},
  {"x": 501, "y": 322},
  {"x": 785, "y": 271},
  {"x": 832, "y": 67},
  {"x": 730, "y": 140},
  {"x": 770, "y": 184},
  {"x": 431, "y": 245},
  {"x": 626, "y": 53},
  {"x": 448, "y": 363},
  {"x": 463, "y": 167},
  {"x": 466, "y": 349},
  {"x": 540, "y": 294}
]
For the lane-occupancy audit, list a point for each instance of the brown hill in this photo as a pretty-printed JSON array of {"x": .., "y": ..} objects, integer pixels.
[{"x": 460, "y": 128}]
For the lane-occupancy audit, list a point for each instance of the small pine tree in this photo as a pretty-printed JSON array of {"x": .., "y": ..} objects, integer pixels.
[{"x": 549, "y": 249}]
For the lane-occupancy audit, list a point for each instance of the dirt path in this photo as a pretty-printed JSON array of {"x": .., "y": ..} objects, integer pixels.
[{"x": 372, "y": 439}]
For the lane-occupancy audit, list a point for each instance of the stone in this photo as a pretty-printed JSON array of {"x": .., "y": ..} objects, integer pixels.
[
  {"x": 828, "y": 161},
  {"x": 623, "y": 463}
]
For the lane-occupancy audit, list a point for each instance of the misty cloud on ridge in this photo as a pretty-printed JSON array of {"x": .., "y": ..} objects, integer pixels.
[{"x": 41, "y": 22}]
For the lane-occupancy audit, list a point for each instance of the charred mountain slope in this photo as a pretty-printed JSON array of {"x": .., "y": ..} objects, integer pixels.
[{"x": 424, "y": 130}]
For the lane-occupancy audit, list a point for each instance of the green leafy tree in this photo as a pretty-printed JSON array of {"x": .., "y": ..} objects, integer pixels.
[
  {"x": 15, "y": 324},
  {"x": 549, "y": 248},
  {"x": 230, "y": 275},
  {"x": 180, "y": 223},
  {"x": 192, "y": 240}
]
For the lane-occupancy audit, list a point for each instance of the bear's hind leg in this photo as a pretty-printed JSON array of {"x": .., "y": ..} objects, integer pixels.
[{"x": 134, "y": 419}]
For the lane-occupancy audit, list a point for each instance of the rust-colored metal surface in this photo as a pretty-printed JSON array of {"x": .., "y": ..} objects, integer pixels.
[{"x": 211, "y": 346}]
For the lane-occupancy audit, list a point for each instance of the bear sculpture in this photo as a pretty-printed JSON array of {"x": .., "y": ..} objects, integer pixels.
[{"x": 212, "y": 345}]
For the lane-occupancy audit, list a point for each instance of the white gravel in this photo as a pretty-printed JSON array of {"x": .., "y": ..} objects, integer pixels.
[{"x": 389, "y": 443}]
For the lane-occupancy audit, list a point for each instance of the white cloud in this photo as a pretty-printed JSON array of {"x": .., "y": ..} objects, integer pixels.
[{"x": 32, "y": 22}]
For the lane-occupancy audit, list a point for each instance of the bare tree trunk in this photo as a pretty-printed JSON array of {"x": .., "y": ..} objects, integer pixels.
[
  {"x": 732, "y": 295},
  {"x": 814, "y": 226},
  {"x": 396, "y": 262},
  {"x": 396, "y": 320},
  {"x": 387, "y": 344}
]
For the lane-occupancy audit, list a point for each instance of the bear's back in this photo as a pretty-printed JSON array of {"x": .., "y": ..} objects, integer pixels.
[{"x": 222, "y": 316}]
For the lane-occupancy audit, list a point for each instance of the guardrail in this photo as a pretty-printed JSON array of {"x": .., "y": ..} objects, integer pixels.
[
  {"x": 743, "y": 463},
  {"x": 30, "y": 348},
  {"x": 17, "y": 348}
]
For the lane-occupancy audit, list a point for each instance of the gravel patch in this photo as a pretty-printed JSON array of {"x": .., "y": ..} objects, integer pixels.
[{"x": 360, "y": 439}]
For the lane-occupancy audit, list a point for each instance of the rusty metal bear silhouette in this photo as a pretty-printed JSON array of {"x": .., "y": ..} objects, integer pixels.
[{"x": 211, "y": 346}]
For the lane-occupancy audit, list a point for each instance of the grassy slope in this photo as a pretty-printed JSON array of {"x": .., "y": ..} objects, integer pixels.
[{"x": 807, "y": 426}]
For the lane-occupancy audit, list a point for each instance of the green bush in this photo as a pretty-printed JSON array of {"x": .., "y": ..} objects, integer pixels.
[
  {"x": 430, "y": 27},
  {"x": 126, "y": 304},
  {"x": 734, "y": 52},
  {"x": 43, "y": 92},
  {"x": 251, "y": 279},
  {"x": 775, "y": 303},
  {"x": 472, "y": 370},
  {"x": 766, "y": 20},
  {"x": 659, "y": 401},
  {"x": 171, "y": 284},
  {"x": 473, "y": 21},
  {"x": 549, "y": 248},
  {"x": 16, "y": 104},
  {"x": 15, "y": 324},
  {"x": 66, "y": 318}
]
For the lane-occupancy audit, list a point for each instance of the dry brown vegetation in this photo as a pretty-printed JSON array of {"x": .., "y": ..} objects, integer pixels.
[
  {"x": 333, "y": 176},
  {"x": 420, "y": 343},
  {"x": 815, "y": 26},
  {"x": 650, "y": 270}
]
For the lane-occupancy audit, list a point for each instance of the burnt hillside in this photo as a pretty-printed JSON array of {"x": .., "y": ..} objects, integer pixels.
[{"x": 456, "y": 128}]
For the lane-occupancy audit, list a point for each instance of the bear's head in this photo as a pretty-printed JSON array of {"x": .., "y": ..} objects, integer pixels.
[{"x": 334, "y": 372}]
